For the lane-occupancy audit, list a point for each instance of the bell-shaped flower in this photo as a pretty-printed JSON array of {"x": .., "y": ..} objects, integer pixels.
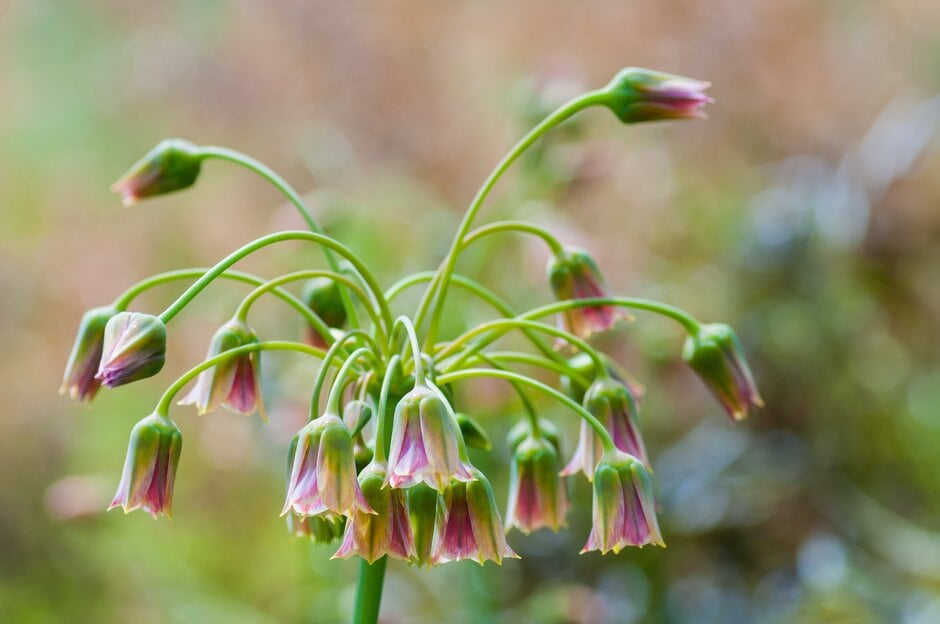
[
  {"x": 387, "y": 531},
  {"x": 134, "y": 348},
  {"x": 323, "y": 473},
  {"x": 79, "y": 379},
  {"x": 715, "y": 354},
  {"x": 150, "y": 467},
  {"x": 472, "y": 527},
  {"x": 234, "y": 383},
  {"x": 638, "y": 95},
  {"x": 537, "y": 495},
  {"x": 611, "y": 403},
  {"x": 573, "y": 274},
  {"x": 322, "y": 296},
  {"x": 426, "y": 444},
  {"x": 170, "y": 166},
  {"x": 624, "y": 512}
]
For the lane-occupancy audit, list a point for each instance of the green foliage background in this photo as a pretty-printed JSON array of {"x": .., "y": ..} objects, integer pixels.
[{"x": 804, "y": 212}]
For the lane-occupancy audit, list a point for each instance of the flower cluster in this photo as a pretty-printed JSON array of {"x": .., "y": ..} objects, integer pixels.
[{"x": 383, "y": 466}]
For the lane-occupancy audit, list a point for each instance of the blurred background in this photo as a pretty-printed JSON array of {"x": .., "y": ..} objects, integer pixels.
[{"x": 803, "y": 212}]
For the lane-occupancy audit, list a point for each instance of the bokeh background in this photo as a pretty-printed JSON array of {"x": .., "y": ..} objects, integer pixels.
[{"x": 804, "y": 212}]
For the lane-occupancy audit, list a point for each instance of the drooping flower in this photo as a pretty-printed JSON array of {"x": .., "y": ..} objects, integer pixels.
[
  {"x": 715, "y": 354},
  {"x": 323, "y": 473},
  {"x": 472, "y": 527},
  {"x": 150, "y": 467},
  {"x": 322, "y": 296},
  {"x": 234, "y": 383},
  {"x": 638, "y": 95},
  {"x": 611, "y": 403},
  {"x": 170, "y": 166},
  {"x": 387, "y": 531},
  {"x": 624, "y": 512},
  {"x": 425, "y": 444},
  {"x": 134, "y": 348},
  {"x": 537, "y": 496},
  {"x": 573, "y": 274},
  {"x": 79, "y": 379}
]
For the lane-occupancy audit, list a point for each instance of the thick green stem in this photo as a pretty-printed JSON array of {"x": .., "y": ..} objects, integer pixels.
[
  {"x": 438, "y": 288},
  {"x": 382, "y": 428},
  {"x": 369, "y": 591},
  {"x": 471, "y": 373},
  {"x": 223, "y": 153}
]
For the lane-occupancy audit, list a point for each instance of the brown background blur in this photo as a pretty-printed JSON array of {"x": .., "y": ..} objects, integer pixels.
[{"x": 804, "y": 211}]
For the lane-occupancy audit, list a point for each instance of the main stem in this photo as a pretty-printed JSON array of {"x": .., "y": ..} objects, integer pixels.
[{"x": 369, "y": 591}]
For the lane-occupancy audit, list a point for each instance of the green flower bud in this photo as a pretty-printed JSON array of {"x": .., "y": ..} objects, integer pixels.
[
  {"x": 638, "y": 95},
  {"x": 322, "y": 295},
  {"x": 171, "y": 166},
  {"x": 134, "y": 348},
  {"x": 716, "y": 355}
]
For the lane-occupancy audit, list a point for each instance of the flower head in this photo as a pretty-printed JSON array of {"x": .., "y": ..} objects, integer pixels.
[
  {"x": 472, "y": 528},
  {"x": 624, "y": 514},
  {"x": 537, "y": 496},
  {"x": 170, "y": 166},
  {"x": 715, "y": 354},
  {"x": 234, "y": 383},
  {"x": 385, "y": 532},
  {"x": 322, "y": 296},
  {"x": 638, "y": 95},
  {"x": 573, "y": 274},
  {"x": 134, "y": 348},
  {"x": 611, "y": 403},
  {"x": 79, "y": 380},
  {"x": 323, "y": 474},
  {"x": 425, "y": 445},
  {"x": 150, "y": 467}
]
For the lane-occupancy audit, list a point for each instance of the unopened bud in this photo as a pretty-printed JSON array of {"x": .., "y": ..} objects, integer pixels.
[{"x": 172, "y": 165}]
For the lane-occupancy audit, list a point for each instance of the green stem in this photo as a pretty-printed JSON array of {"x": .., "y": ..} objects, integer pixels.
[
  {"x": 166, "y": 400},
  {"x": 127, "y": 297},
  {"x": 471, "y": 373},
  {"x": 530, "y": 410},
  {"x": 328, "y": 358},
  {"x": 405, "y": 323},
  {"x": 440, "y": 284},
  {"x": 486, "y": 295},
  {"x": 682, "y": 317},
  {"x": 520, "y": 357},
  {"x": 381, "y": 452},
  {"x": 270, "y": 239},
  {"x": 242, "y": 312},
  {"x": 501, "y": 326},
  {"x": 369, "y": 591},
  {"x": 514, "y": 226},
  {"x": 223, "y": 153},
  {"x": 332, "y": 401}
]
